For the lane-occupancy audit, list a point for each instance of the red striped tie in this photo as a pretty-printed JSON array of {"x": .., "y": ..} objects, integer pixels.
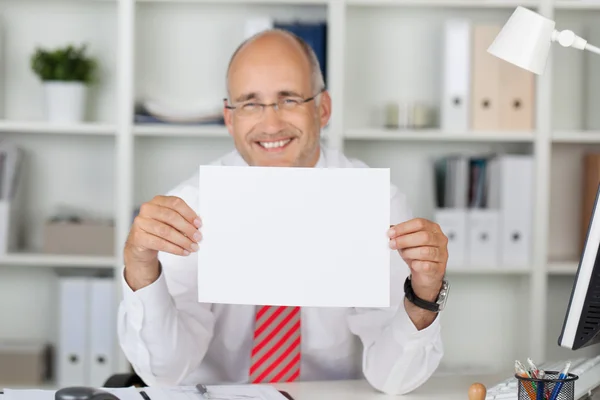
[{"x": 276, "y": 350}]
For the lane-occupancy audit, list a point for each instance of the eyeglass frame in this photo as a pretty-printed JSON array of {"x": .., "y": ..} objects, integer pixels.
[{"x": 275, "y": 105}]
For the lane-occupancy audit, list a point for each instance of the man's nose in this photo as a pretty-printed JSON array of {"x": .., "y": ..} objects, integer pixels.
[{"x": 272, "y": 121}]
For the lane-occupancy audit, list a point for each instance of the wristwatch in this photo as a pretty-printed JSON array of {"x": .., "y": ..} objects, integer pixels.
[{"x": 436, "y": 306}]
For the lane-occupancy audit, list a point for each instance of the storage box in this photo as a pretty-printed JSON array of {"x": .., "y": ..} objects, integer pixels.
[
  {"x": 25, "y": 363},
  {"x": 79, "y": 238}
]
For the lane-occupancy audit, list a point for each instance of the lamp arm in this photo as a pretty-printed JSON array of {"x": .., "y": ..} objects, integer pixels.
[
  {"x": 567, "y": 38},
  {"x": 593, "y": 49}
]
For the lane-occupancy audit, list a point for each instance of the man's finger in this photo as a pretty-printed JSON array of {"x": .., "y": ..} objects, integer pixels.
[
  {"x": 412, "y": 226},
  {"x": 168, "y": 233},
  {"x": 170, "y": 217},
  {"x": 179, "y": 205},
  {"x": 417, "y": 239},
  {"x": 423, "y": 253},
  {"x": 153, "y": 242}
]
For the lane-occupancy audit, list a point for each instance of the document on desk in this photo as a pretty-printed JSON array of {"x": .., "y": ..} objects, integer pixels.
[
  {"x": 216, "y": 392},
  {"x": 313, "y": 237}
]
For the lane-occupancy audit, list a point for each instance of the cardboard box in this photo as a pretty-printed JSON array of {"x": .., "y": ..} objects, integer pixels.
[{"x": 79, "y": 238}]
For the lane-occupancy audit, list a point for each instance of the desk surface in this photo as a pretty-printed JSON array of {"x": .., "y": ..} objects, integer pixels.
[
  {"x": 438, "y": 387},
  {"x": 442, "y": 387}
]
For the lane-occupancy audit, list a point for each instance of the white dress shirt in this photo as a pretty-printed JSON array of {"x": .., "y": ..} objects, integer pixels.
[{"x": 172, "y": 339}]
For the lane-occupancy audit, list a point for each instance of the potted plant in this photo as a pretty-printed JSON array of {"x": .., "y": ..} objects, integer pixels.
[{"x": 66, "y": 74}]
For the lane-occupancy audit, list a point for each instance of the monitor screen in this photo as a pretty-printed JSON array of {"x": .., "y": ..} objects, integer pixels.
[{"x": 582, "y": 320}]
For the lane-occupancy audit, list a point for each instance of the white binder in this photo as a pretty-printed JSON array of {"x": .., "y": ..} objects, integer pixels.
[
  {"x": 483, "y": 238},
  {"x": 516, "y": 209},
  {"x": 102, "y": 326},
  {"x": 453, "y": 222},
  {"x": 72, "y": 357},
  {"x": 456, "y": 96}
]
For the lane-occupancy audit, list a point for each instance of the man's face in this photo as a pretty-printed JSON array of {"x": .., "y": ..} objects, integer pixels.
[{"x": 275, "y": 71}]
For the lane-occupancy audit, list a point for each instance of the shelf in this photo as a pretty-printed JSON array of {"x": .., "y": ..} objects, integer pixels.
[
  {"x": 56, "y": 261},
  {"x": 563, "y": 268},
  {"x": 41, "y": 127},
  {"x": 576, "y": 137},
  {"x": 220, "y": 2},
  {"x": 445, "y": 3},
  {"x": 577, "y": 5},
  {"x": 487, "y": 271},
  {"x": 166, "y": 130},
  {"x": 437, "y": 135}
]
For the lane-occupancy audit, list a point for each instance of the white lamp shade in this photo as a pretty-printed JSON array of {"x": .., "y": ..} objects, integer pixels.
[{"x": 524, "y": 40}]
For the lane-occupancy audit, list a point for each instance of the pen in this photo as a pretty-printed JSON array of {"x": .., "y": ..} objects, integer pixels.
[
  {"x": 144, "y": 395},
  {"x": 540, "y": 386},
  {"x": 203, "y": 390},
  {"x": 529, "y": 387},
  {"x": 563, "y": 374}
]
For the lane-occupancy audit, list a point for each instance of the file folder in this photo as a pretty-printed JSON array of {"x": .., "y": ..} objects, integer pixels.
[
  {"x": 102, "y": 326},
  {"x": 456, "y": 96},
  {"x": 72, "y": 357},
  {"x": 517, "y": 98},
  {"x": 485, "y": 86},
  {"x": 516, "y": 212}
]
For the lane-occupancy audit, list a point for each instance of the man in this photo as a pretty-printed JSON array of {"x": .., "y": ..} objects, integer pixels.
[{"x": 275, "y": 110}]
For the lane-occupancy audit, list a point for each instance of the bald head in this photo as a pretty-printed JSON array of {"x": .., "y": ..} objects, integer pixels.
[{"x": 276, "y": 43}]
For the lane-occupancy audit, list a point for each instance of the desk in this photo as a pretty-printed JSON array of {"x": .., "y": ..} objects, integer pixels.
[{"x": 442, "y": 387}]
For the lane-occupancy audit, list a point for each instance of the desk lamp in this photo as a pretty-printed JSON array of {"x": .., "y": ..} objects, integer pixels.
[
  {"x": 526, "y": 37},
  {"x": 525, "y": 42}
]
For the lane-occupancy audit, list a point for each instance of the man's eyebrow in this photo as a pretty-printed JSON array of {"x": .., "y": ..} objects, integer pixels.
[
  {"x": 289, "y": 93},
  {"x": 246, "y": 97}
]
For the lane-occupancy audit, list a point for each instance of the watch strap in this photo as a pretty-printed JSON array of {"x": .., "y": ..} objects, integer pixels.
[{"x": 413, "y": 298}]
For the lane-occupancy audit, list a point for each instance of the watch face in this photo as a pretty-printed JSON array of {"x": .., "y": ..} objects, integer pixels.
[{"x": 443, "y": 297}]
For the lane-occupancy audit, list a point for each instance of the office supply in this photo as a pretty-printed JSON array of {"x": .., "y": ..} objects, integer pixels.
[
  {"x": 456, "y": 79},
  {"x": 144, "y": 395},
  {"x": 559, "y": 385},
  {"x": 516, "y": 209},
  {"x": 485, "y": 113},
  {"x": 215, "y": 392},
  {"x": 203, "y": 390},
  {"x": 587, "y": 369},
  {"x": 516, "y": 98},
  {"x": 287, "y": 234},
  {"x": 72, "y": 351},
  {"x": 315, "y": 35},
  {"x": 101, "y": 340}
]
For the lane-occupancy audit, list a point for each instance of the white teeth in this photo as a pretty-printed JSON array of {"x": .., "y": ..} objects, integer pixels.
[{"x": 273, "y": 145}]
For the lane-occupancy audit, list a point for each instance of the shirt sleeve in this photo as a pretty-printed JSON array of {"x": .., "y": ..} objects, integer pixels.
[
  {"x": 162, "y": 328},
  {"x": 397, "y": 357}
]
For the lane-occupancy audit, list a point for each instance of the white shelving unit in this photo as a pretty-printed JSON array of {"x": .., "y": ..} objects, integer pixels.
[{"x": 377, "y": 50}]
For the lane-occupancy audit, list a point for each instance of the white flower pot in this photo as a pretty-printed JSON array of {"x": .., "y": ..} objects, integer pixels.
[{"x": 65, "y": 101}]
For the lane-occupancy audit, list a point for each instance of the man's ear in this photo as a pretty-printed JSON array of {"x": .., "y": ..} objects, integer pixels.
[{"x": 325, "y": 108}]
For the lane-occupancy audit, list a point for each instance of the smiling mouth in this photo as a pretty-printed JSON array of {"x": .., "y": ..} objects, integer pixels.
[{"x": 275, "y": 145}]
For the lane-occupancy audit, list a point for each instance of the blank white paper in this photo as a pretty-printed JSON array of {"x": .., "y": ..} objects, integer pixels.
[{"x": 312, "y": 237}]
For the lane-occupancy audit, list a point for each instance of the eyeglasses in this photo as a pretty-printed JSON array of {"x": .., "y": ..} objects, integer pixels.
[{"x": 254, "y": 109}]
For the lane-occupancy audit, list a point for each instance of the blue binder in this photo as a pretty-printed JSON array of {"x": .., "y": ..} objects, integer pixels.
[{"x": 315, "y": 34}]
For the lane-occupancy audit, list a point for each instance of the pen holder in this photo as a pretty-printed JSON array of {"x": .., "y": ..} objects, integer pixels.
[{"x": 550, "y": 387}]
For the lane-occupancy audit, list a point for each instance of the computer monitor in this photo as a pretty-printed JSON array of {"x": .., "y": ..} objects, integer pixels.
[{"x": 582, "y": 320}]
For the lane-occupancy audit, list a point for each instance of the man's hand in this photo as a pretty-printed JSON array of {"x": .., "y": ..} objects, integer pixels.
[
  {"x": 165, "y": 223},
  {"x": 424, "y": 248}
]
